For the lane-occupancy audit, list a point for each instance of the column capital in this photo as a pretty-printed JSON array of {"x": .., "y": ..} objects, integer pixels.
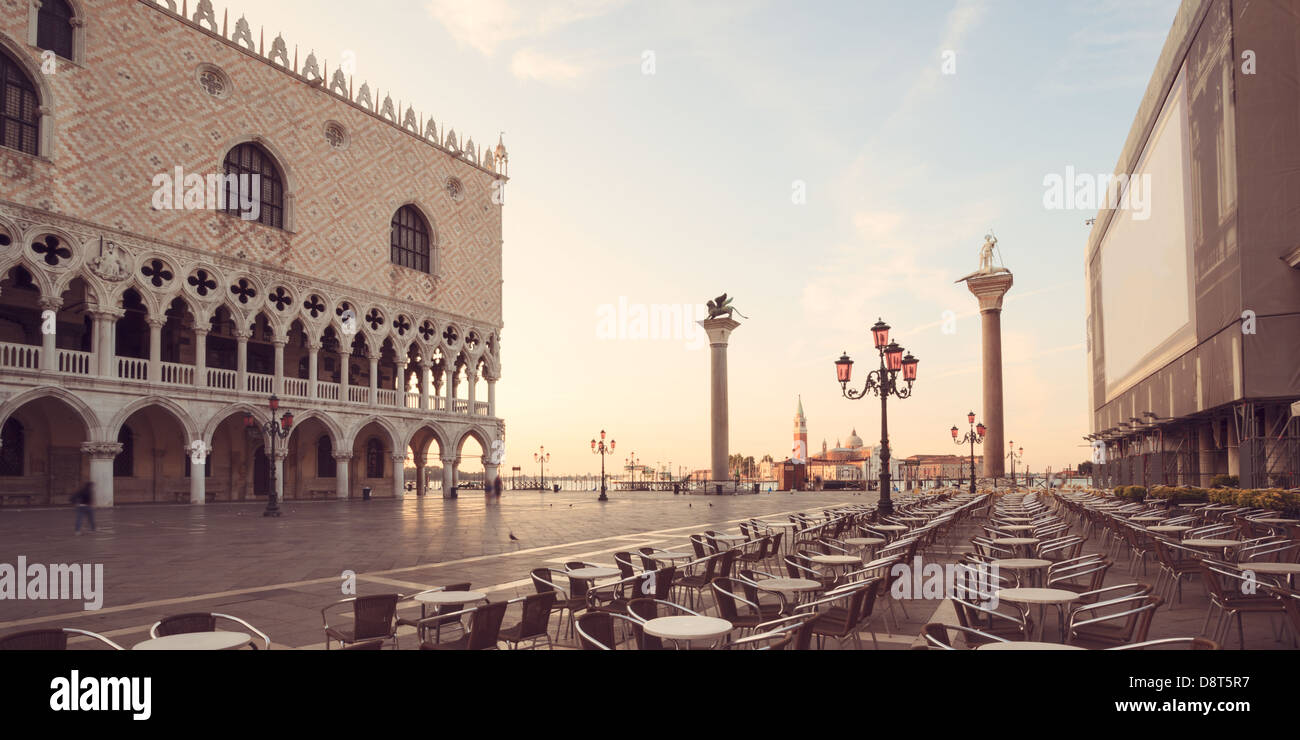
[
  {"x": 314, "y": 346},
  {"x": 50, "y": 303},
  {"x": 243, "y": 333},
  {"x": 342, "y": 456},
  {"x": 200, "y": 331},
  {"x": 449, "y": 460},
  {"x": 989, "y": 288},
  {"x": 279, "y": 341},
  {"x": 156, "y": 322},
  {"x": 106, "y": 313},
  {"x": 719, "y": 330},
  {"x": 399, "y": 458},
  {"x": 101, "y": 450}
]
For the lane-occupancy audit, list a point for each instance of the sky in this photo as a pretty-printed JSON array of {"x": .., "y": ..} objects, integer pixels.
[{"x": 825, "y": 163}]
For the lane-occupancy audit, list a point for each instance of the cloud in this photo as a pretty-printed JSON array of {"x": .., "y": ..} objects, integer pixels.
[
  {"x": 530, "y": 64},
  {"x": 487, "y": 24}
]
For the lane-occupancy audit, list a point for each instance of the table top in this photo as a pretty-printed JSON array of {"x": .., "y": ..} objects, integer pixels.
[
  {"x": 1017, "y": 527},
  {"x": 865, "y": 541},
  {"x": 1211, "y": 543},
  {"x": 219, "y": 640},
  {"x": 1192, "y": 506},
  {"x": 451, "y": 597},
  {"x": 1149, "y": 518},
  {"x": 1014, "y": 563},
  {"x": 836, "y": 559},
  {"x": 889, "y": 527},
  {"x": 670, "y": 555},
  {"x": 1275, "y": 520},
  {"x": 1018, "y": 518},
  {"x": 1016, "y": 541},
  {"x": 1027, "y": 645},
  {"x": 590, "y": 574},
  {"x": 1170, "y": 528},
  {"x": 1278, "y": 568},
  {"x": 687, "y": 627},
  {"x": 1038, "y": 595},
  {"x": 729, "y": 537},
  {"x": 789, "y": 584},
  {"x": 780, "y": 524}
]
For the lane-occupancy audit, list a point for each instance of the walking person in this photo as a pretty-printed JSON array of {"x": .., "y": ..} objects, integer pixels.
[
  {"x": 84, "y": 498},
  {"x": 497, "y": 486}
]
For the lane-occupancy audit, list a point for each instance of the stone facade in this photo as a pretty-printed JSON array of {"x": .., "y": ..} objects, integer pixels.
[{"x": 175, "y": 322}]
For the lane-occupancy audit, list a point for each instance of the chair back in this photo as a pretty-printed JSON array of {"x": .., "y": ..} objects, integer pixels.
[
  {"x": 697, "y": 544},
  {"x": 374, "y": 615},
  {"x": 537, "y": 614},
  {"x": 185, "y": 623},
  {"x": 624, "y": 562},
  {"x": 647, "y": 562},
  {"x": 449, "y": 608},
  {"x": 542, "y": 580},
  {"x": 485, "y": 625},
  {"x": 596, "y": 630},
  {"x": 727, "y": 560}
]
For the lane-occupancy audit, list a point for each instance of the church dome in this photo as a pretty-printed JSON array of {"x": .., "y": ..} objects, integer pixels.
[{"x": 855, "y": 442}]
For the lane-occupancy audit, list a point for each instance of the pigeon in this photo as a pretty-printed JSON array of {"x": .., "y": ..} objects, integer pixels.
[
  {"x": 513, "y": 537},
  {"x": 710, "y": 506}
]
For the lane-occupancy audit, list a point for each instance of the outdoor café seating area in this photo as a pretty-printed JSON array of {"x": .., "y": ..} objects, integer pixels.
[{"x": 1018, "y": 569}]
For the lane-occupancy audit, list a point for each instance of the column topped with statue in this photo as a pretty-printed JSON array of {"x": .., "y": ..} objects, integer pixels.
[{"x": 990, "y": 282}]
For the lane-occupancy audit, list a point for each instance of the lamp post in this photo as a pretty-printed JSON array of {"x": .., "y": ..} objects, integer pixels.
[
  {"x": 975, "y": 437},
  {"x": 1013, "y": 455},
  {"x": 631, "y": 462},
  {"x": 882, "y": 382},
  {"x": 276, "y": 431},
  {"x": 600, "y": 448},
  {"x": 541, "y": 457}
]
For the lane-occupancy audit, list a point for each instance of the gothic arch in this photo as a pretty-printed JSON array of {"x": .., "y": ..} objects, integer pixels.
[
  {"x": 282, "y": 161},
  {"x": 44, "y": 93},
  {"x": 176, "y": 410},
  {"x": 94, "y": 432},
  {"x": 217, "y": 418}
]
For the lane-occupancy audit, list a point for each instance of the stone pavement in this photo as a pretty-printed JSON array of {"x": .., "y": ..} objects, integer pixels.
[{"x": 278, "y": 573}]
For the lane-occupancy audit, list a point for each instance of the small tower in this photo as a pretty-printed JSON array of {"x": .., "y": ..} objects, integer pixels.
[
  {"x": 800, "y": 433},
  {"x": 503, "y": 159}
]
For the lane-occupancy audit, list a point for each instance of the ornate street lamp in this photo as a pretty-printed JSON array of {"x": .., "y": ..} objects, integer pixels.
[
  {"x": 276, "y": 431},
  {"x": 882, "y": 382},
  {"x": 600, "y": 448},
  {"x": 1013, "y": 455},
  {"x": 974, "y": 437},
  {"x": 542, "y": 457},
  {"x": 630, "y": 465}
]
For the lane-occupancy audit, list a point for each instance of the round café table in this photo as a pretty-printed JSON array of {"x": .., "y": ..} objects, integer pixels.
[
  {"x": 1031, "y": 564},
  {"x": 729, "y": 538},
  {"x": 669, "y": 556},
  {"x": 1170, "y": 528},
  {"x": 1274, "y": 569},
  {"x": 1275, "y": 520},
  {"x": 1041, "y": 597},
  {"x": 687, "y": 629},
  {"x": 591, "y": 574},
  {"x": 1017, "y": 527},
  {"x": 891, "y": 530},
  {"x": 446, "y": 598},
  {"x": 218, "y": 640},
  {"x": 1027, "y": 645},
  {"x": 866, "y": 543},
  {"x": 1212, "y": 543},
  {"x": 794, "y": 587},
  {"x": 1147, "y": 518},
  {"x": 1017, "y": 543}
]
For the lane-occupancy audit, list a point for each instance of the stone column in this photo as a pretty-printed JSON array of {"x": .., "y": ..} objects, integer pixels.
[
  {"x": 242, "y": 335},
  {"x": 155, "y": 348},
  {"x": 200, "y": 357},
  {"x": 101, "y": 469},
  {"x": 198, "y": 484},
  {"x": 719, "y": 331},
  {"x": 449, "y": 379},
  {"x": 471, "y": 379},
  {"x": 277, "y": 385},
  {"x": 49, "y": 346},
  {"x": 989, "y": 288},
  {"x": 374, "y": 378},
  {"x": 105, "y": 350},
  {"x": 399, "y": 476},
  {"x": 345, "y": 362},
  {"x": 448, "y": 475},
  {"x": 313, "y": 351},
  {"x": 492, "y": 397},
  {"x": 425, "y": 374},
  {"x": 421, "y": 482},
  {"x": 343, "y": 483},
  {"x": 489, "y": 476},
  {"x": 280, "y": 455}
]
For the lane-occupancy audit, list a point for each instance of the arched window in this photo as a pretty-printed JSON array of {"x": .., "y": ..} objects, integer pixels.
[
  {"x": 257, "y": 185},
  {"x": 124, "y": 463},
  {"x": 54, "y": 27},
  {"x": 11, "y": 454},
  {"x": 19, "y": 122},
  {"x": 409, "y": 239},
  {"x": 325, "y": 466},
  {"x": 374, "y": 458}
]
